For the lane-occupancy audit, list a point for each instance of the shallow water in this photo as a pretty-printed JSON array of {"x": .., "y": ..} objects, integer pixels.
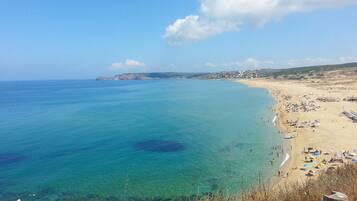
[{"x": 132, "y": 139}]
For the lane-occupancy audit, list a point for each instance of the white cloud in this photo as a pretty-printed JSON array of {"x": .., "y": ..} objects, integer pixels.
[
  {"x": 193, "y": 27},
  {"x": 218, "y": 16},
  {"x": 251, "y": 62},
  {"x": 127, "y": 64},
  {"x": 211, "y": 65}
]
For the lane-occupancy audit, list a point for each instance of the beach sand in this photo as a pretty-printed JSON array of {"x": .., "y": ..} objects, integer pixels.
[{"x": 334, "y": 132}]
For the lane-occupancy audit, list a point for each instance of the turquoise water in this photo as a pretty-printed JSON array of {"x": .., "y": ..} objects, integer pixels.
[{"x": 132, "y": 139}]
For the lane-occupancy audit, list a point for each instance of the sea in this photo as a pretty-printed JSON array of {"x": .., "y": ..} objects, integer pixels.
[{"x": 134, "y": 140}]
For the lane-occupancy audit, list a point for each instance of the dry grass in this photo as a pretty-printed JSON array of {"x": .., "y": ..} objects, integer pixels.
[{"x": 344, "y": 179}]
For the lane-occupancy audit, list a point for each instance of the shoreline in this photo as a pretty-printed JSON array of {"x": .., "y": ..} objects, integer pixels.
[
  {"x": 286, "y": 165},
  {"x": 331, "y": 135},
  {"x": 287, "y": 146}
]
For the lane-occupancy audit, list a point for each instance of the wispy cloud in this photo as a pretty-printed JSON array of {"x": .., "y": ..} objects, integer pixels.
[
  {"x": 241, "y": 64},
  {"x": 250, "y": 63},
  {"x": 308, "y": 61},
  {"x": 211, "y": 65},
  {"x": 127, "y": 64},
  {"x": 218, "y": 16}
]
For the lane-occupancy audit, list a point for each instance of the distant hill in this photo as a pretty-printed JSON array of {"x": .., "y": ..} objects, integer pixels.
[
  {"x": 287, "y": 73},
  {"x": 155, "y": 76},
  {"x": 308, "y": 69}
]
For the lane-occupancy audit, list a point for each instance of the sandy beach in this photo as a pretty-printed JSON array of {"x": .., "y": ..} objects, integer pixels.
[{"x": 310, "y": 112}]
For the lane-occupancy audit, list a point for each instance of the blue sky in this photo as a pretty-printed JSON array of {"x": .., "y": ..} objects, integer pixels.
[{"x": 85, "y": 39}]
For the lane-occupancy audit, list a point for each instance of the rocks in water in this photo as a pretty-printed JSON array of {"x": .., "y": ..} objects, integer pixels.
[
  {"x": 214, "y": 184},
  {"x": 10, "y": 158},
  {"x": 230, "y": 147},
  {"x": 160, "y": 146}
]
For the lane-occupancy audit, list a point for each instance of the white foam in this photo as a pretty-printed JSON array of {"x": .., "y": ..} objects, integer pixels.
[
  {"x": 287, "y": 156},
  {"x": 274, "y": 119}
]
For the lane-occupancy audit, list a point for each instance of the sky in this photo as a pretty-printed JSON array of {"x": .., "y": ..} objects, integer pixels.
[{"x": 45, "y": 40}]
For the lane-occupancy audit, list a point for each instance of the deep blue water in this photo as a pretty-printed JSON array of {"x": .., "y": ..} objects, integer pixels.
[{"x": 132, "y": 139}]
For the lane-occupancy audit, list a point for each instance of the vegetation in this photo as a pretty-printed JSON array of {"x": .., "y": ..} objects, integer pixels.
[
  {"x": 344, "y": 180},
  {"x": 309, "y": 70}
]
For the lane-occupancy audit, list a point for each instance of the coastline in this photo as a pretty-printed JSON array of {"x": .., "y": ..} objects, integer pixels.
[
  {"x": 285, "y": 165},
  {"x": 325, "y": 136}
]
